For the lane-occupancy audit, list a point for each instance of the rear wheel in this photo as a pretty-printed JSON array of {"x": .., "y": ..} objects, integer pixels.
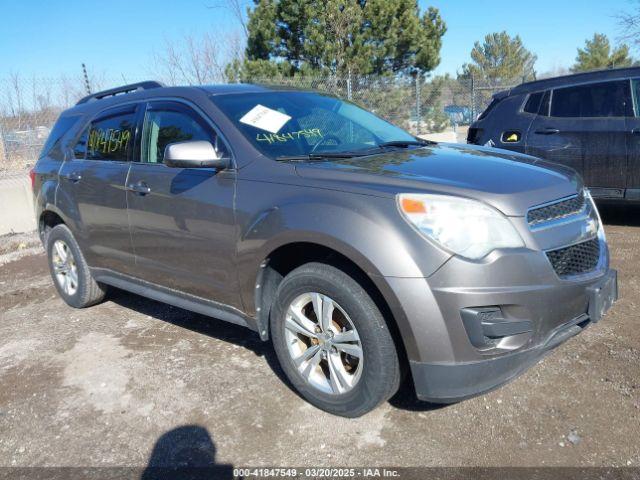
[
  {"x": 69, "y": 270},
  {"x": 333, "y": 342}
]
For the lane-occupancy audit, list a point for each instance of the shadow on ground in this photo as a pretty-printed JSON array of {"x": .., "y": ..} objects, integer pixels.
[
  {"x": 225, "y": 331},
  {"x": 615, "y": 213},
  {"x": 186, "y": 452},
  {"x": 404, "y": 399}
]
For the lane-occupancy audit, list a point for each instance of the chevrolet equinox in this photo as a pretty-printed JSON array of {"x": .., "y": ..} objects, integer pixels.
[{"x": 362, "y": 252}]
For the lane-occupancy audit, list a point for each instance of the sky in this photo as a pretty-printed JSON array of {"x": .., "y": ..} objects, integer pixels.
[
  {"x": 118, "y": 38},
  {"x": 552, "y": 29}
]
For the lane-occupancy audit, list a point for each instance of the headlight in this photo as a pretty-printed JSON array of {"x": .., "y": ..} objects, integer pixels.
[
  {"x": 595, "y": 210},
  {"x": 466, "y": 227}
]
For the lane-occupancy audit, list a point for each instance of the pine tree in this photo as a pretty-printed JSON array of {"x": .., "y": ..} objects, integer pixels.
[
  {"x": 597, "y": 54},
  {"x": 500, "y": 59},
  {"x": 291, "y": 37}
]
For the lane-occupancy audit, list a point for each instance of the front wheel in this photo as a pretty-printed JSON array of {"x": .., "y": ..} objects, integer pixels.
[{"x": 332, "y": 341}]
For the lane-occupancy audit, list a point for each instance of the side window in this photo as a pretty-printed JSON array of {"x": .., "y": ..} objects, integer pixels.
[
  {"x": 80, "y": 148},
  {"x": 636, "y": 96},
  {"x": 111, "y": 137},
  {"x": 607, "y": 99},
  {"x": 533, "y": 103},
  {"x": 165, "y": 126},
  {"x": 545, "y": 104}
]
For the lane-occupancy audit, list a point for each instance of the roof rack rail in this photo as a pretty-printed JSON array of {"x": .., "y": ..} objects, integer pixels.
[{"x": 118, "y": 90}]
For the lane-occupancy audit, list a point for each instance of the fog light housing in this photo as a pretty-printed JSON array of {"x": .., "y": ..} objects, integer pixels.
[{"x": 488, "y": 328}]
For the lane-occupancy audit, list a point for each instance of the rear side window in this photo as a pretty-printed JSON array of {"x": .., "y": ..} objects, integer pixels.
[
  {"x": 61, "y": 127},
  {"x": 607, "y": 99},
  {"x": 533, "y": 103},
  {"x": 110, "y": 137}
]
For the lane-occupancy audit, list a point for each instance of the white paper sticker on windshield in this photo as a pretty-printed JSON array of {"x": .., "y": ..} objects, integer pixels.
[{"x": 265, "y": 118}]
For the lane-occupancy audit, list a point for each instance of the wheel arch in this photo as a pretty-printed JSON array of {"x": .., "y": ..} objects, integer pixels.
[
  {"x": 49, "y": 218},
  {"x": 286, "y": 257}
]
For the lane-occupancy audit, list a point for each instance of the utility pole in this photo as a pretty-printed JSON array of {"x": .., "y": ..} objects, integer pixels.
[
  {"x": 87, "y": 85},
  {"x": 418, "y": 102},
  {"x": 472, "y": 87}
]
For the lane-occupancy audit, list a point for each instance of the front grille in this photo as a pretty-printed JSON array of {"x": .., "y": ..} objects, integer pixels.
[
  {"x": 576, "y": 259},
  {"x": 561, "y": 209}
]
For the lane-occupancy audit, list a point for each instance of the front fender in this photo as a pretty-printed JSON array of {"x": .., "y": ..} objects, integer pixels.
[{"x": 366, "y": 229}]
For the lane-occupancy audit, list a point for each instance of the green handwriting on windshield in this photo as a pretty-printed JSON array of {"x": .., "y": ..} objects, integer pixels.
[{"x": 272, "y": 138}]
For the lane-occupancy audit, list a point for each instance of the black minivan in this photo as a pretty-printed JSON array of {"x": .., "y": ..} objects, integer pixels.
[{"x": 588, "y": 121}]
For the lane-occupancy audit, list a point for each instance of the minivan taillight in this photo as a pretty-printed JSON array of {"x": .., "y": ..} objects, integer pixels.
[
  {"x": 473, "y": 135},
  {"x": 32, "y": 177}
]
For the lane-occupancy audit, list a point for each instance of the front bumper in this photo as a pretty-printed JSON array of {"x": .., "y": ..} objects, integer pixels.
[
  {"x": 449, "y": 383},
  {"x": 445, "y": 363}
]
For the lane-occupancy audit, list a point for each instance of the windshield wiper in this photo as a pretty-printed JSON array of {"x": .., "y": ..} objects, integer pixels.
[
  {"x": 360, "y": 153},
  {"x": 407, "y": 143},
  {"x": 318, "y": 156}
]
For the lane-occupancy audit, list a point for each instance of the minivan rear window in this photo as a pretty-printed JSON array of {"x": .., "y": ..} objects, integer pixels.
[{"x": 494, "y": 103}]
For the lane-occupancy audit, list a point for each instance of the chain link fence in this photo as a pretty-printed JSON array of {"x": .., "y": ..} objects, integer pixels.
[{"x": 440, "y": 108}]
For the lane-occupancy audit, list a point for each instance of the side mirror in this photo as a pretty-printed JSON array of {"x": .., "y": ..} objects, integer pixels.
[{"x": 193, "y": 154}]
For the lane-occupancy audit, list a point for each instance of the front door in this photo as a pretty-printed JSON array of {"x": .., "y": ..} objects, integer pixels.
[
  {"x": 585, "y": 128},
  {"x": 182, "y": 220},
  {"x": 92, "y": 181}
]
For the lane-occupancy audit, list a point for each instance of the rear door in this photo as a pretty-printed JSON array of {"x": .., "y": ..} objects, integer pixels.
[
  {"x": 182, "y": 220},
  {"x": 91, "y": 189},
  {"x": 584, "y": 127},
  {"x": 633, "y": 145}
]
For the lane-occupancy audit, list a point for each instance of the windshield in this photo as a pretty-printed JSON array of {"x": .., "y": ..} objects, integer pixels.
[{"x": 288, "y": 124}]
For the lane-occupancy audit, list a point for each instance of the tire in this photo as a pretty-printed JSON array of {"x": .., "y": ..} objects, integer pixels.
[
  {"x": 361, "y": 383},
  {"x": 71, "y": 277}
]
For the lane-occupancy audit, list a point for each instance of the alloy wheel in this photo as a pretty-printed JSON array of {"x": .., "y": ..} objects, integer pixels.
[
  {"x": 65, "y": 268},
  {"x": 323, "y": 343}
]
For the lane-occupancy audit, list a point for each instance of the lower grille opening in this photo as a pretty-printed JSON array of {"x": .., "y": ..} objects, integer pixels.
[{"x": 576, "y": 259}]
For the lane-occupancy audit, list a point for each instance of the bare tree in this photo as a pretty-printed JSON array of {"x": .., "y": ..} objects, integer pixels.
[
  {"x": 238, "y": 9},
  {"x": 16, "y": 100},
  {"x": 556, "y": 70},
  {"x": 195, "y": 60},
  {"x": 629, "y": 24},
  {"x": 70, "y": 89}
]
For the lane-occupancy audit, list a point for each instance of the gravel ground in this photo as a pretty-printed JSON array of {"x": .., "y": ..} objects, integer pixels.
[{"x": 106, "y": 385}]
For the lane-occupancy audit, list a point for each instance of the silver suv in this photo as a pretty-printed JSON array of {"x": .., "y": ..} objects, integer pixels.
[{"x": 360, "y": 251}]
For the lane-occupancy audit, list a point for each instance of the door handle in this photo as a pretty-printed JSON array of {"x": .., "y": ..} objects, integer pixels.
[
  {"x": 547, "y": 131},
  {"x": 635, "y": 131},
  {"x": 140, "y": 188},
  {"x": 74, "y": 177}
]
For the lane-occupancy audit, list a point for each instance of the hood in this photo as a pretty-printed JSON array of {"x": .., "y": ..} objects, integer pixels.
[{"x": 510, "y": 182}]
